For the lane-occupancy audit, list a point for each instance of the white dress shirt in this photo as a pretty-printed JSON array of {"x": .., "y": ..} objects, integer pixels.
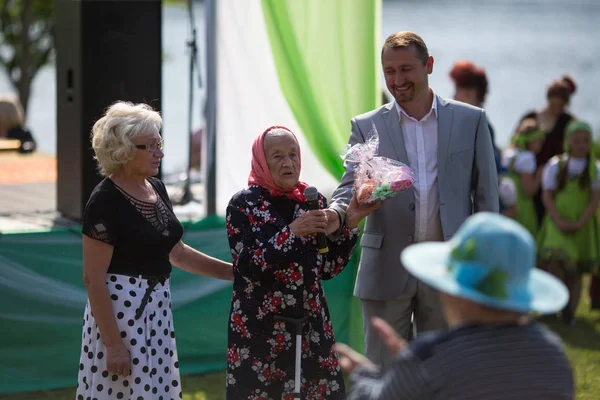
[{"x": 421, "y": 142}]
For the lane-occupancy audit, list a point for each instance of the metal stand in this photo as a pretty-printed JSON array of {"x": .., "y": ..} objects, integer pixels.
[
  {"x": 297, "y": 323},
  {"x": 187, "y": 194},
  {"x": 210, "y": 153}
]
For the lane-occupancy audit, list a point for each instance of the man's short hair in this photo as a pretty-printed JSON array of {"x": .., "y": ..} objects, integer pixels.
[{"x": 400, "y": 40}]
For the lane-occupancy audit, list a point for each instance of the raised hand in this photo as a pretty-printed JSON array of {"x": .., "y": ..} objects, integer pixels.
[
  {"x": 350, "y": 359},
  {"x": 394, "y": 343}
]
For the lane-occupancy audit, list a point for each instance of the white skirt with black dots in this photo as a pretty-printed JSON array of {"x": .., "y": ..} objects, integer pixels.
[{"x": 150, "y": 340}]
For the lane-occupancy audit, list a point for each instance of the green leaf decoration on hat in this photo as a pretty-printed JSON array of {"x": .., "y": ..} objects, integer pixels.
[
  {"x": 494, "y": 282},
  {"x": 466, "y": 251},
  {"x": 494, "y": 285}
]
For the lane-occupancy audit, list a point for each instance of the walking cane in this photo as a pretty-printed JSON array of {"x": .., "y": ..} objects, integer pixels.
[{"x": 296, "y": 322}]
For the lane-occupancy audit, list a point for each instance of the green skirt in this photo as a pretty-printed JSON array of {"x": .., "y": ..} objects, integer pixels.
[
  {"x": 526, "y": 214},
  {"x": 578, "y": 251}
]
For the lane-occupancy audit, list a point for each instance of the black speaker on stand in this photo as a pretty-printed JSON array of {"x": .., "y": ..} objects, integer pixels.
[{"x": 106, "y": 50}]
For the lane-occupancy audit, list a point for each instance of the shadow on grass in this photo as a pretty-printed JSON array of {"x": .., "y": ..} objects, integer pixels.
[{"x": 584, "y": 334}]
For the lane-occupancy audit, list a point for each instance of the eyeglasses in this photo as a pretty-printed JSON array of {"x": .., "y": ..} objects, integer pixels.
[{"x": 152, "y": 147}]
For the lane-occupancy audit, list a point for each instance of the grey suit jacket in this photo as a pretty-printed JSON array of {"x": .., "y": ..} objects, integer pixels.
[{"x": 467, "y": 183}]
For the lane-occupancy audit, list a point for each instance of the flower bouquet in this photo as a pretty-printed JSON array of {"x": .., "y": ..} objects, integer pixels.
[{"x": 376, "y": 178}]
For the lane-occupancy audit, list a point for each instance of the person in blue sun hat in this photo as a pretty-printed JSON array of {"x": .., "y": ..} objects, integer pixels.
[{"x": 493, "y": 348}]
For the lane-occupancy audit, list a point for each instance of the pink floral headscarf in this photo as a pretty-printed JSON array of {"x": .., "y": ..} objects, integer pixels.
[{"x": 261, "y": 175}]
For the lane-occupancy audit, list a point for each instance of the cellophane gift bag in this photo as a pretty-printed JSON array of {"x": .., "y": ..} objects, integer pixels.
[{"x": 376, "y": 178}]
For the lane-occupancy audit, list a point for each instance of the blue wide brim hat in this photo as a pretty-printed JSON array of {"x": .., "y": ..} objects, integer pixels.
[{"x": 490, "y": 261}]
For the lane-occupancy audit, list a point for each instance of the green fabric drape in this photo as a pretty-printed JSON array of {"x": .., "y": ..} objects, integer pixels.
[
  {"x": 42, "y": 299},
  {"x": 327, "y": 59}
]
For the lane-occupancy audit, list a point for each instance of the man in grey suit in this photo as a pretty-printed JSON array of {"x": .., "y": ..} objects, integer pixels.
[{"x": 448, "y": 146}]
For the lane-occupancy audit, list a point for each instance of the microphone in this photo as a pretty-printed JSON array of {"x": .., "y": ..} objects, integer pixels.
[{"x": 312, "y": 200}]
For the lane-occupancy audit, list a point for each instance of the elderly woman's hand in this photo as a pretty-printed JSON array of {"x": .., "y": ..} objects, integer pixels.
[
  {"x": 356, "y": 211},
  {"x": 313, "y": 221}
]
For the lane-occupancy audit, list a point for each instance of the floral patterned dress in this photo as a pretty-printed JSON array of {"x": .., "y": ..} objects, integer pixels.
[{"x": 277, "y": 273}]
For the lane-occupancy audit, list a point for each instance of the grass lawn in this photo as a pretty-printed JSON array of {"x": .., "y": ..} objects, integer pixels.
[
  {"x": 582, "y": 343},
  {"x": 583, "y": 347}
]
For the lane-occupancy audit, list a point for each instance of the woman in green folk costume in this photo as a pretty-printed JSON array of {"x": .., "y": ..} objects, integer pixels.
[
  {"x": 569, "y": 240},
  {"x": 521, "y": 166}
]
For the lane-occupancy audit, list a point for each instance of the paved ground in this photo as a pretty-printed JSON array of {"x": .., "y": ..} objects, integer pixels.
[
  {"x": 29, "y": 168},
  {"x": 28, "y": 195}
]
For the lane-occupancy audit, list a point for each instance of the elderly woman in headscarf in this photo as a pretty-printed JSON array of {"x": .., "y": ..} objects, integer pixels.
[{"x": 277, "y": 273}]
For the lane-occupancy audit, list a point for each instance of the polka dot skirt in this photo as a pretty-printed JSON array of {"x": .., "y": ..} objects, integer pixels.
[{"x": 149, "y": 339}]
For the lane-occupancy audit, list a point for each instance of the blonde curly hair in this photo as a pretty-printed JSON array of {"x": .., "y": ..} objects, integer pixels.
[{"x": 112, "y": 134}]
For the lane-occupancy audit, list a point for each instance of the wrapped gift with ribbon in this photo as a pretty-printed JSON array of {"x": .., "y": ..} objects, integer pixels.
[{"x": 376, "y": 178}]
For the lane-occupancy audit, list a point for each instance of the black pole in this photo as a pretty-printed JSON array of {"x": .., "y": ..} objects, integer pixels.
[
  {"x": 211, "y": 107},
  {"x": 187, "y": 195}
]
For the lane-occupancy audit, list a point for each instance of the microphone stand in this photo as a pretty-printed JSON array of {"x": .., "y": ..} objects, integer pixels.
[{"x": 187, "y": 194}]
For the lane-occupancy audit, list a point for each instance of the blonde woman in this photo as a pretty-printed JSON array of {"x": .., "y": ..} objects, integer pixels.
[
  {"x": 12, "y": 123},
  {"x": 130, "y": 239}
]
